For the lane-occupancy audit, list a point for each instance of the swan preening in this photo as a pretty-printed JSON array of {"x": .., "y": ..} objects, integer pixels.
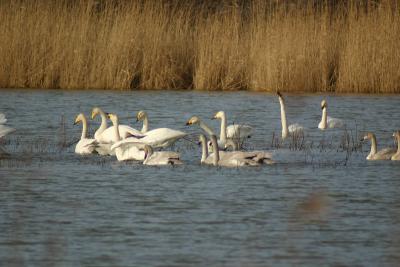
[
  {"x": 396, "y": 156},
  {"x": 383, "y": 154},
  {"x": 231, "y": 158},
  {"x": 292, "y": 129},
  {"x": 326, "y": 121}
]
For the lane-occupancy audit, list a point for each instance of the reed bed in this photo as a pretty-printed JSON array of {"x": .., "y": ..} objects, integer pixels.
[{"x": 293, "y": 46}]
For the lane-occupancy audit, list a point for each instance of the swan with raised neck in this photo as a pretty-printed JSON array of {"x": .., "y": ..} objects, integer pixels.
[
  {"x": 84, "y": 145},
  {"x": 291, "y": 129}
]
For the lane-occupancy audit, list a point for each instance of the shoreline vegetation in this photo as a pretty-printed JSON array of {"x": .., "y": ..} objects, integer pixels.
[{"x": 293, "y": 46}]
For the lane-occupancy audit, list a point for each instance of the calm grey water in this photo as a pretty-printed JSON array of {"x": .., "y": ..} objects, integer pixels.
[{"x": 321, "y": 206}]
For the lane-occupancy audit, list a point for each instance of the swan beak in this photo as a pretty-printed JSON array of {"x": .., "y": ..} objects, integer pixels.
[
  {"x": 188, "y": 123},
  {"x": 214, "y": 117},
  {"x": 76, "y": 121},
  {"x": 93, "y": 115},
  {"x": 279, "y": 93},
  {"x": 108, "y": 115}
]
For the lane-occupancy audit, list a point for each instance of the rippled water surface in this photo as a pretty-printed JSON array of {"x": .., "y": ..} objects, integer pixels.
[{"x": 320, "y": 205}]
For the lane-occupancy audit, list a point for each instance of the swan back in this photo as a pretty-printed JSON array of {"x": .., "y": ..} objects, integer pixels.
[{"x": 160, "y": 157}]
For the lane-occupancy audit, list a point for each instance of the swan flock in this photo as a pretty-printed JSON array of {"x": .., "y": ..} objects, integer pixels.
[{"x": 148, "y": 145}]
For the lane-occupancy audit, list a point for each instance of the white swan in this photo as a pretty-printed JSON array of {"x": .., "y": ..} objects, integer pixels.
[
  {"x": 161, "y": 137},
  {"x": 4, "y": 130},
  {"x": 396, "y": 156},
  {"x": 293, "y": 129},
  {"x": 129, "y": 151},
  {"x": 160, "y": 157},
  {"x": 85, "y": 145},
  {"x": 383, "y": 154},
  {"x": 107, "y": 135},
  {"x": 235, "y": 132},
  {"x": 326, "y": 121},
  {"x": 232, "y": 159}
]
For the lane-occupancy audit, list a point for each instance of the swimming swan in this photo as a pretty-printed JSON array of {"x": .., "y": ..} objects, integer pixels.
[
  {"x": 383, "y": 154},
  {"x": 397, "y": 155},
  {"x": 107, "y": 135},
  {"x": 85, "y": 145},
  {"x": 293, "y": 128},
  {"x": 160, "y": 157},
  {"x": 161, "y": 137},
  {"x": 326, "y": 121},
  {"x": 235, "y": 132}
]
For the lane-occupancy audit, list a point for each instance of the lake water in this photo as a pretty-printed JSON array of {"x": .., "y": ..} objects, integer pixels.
[{"x": 322, "y": 205}]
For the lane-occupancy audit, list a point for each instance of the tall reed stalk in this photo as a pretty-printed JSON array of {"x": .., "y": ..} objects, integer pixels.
[{"x": 293, "y": 46}]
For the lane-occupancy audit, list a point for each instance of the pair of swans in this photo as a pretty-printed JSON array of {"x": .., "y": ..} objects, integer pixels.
[
  {"x": 234, "y": 132},
  {"x": 295, "y": 129},
  {"x": 385, "y": 153},
  {"x": 130, "y": 147},
  {"x": 231, "y": 158}
]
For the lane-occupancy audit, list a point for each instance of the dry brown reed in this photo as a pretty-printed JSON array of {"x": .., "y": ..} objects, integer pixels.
[{"x": 293, "y": 46}]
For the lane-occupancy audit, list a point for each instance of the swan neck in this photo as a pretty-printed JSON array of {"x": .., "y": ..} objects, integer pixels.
[
  {"x": 204, "y": 151},
  {"x": 116, "y": 131},
  {"x": 222, "y": 134},
  {"x": 84, "y": 128},
  {"x": 324, "y": 119},
  {"x": 215, "y": 151},
  {"x": 206, "y": 128},
  {"x": 283, "y": 119},
  {"x": 145, "y": 127},
  {"x": 373, "y": 145}
]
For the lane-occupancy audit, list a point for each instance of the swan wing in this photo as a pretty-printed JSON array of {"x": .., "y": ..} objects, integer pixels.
[
  {"x": 3, "y": 118},
  {"x": 238, "y": 131},
  {"x": 85, "y": 146},
  {"x": 334, "y": 122},
  {"x": 130, "y": 151},
  {"x": 4, "y": 130},
  {"x": 130, "y": 141},
  {"x": 125, "y": 131},
  {"x": 162, "y": 137}
]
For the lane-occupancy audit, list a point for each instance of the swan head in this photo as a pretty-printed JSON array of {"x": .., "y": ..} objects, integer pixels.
[
  {"x": 218, "y": 115},
  {"x": 279, "y": 94},
  {"x": 148, "y": 151},
  {"x": 368, "y": 136},
  {"x": 323, "y": 104},
  {"x": 141, "y": 115},
  {"x": 79, "y": 118},
  {"x": 95, "y": 112},
  {"x": 113, "y": 117},
  {"x": 193, "y": 120},
  {"x": 396, "y": 134},
  {"x": 202, "y": 139}
]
